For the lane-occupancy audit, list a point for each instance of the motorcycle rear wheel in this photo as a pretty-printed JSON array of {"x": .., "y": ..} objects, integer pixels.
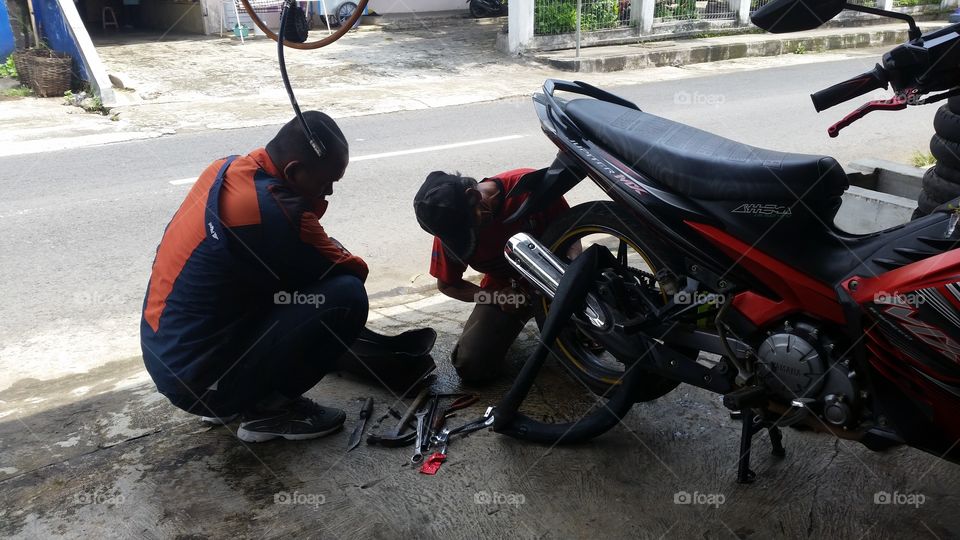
[{"x": 582, "y": 357}]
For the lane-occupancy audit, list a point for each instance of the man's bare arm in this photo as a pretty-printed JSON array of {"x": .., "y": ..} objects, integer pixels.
[{"x": 462, "y": 290}]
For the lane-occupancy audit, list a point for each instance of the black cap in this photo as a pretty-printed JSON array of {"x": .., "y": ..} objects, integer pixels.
[{"x": 444, "y": 210}]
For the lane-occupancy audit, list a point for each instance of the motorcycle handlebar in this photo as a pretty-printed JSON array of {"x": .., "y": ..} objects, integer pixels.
[{"x": 850, "y": 88}]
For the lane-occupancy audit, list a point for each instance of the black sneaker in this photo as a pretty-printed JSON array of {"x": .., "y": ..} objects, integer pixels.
[{"x": 296, "y": 420}]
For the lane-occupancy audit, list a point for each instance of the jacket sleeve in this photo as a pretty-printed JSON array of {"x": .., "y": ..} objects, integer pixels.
[
  {"x": 313, "y": 235},
  {"x": 296, "y": 247}
]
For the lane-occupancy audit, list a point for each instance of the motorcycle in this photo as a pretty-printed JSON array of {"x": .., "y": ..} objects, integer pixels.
[
  {"x": 487, "y": 8},
  {"x": 720, "y": 267}
]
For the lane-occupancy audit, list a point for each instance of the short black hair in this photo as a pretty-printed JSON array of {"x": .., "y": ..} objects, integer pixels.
[{"x": 292, "y": 144}]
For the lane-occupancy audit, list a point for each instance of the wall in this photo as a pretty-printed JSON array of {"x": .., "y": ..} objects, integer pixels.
[
  {"x": 7, "y": 43},
  {"x": 53, "y": 28},
  {"x": 402, "y": 6},
  {"x": 88, "y": 59},
  {"x": 177, "y": 17}
]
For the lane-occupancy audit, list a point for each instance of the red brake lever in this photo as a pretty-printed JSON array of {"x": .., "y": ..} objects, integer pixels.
[{"x": 896, "y": 103}]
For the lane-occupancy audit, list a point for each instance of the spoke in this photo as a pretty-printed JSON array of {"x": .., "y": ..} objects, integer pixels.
[{"x": 622, "y": 253}]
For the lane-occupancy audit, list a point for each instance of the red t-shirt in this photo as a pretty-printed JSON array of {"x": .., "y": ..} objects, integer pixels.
[{"x": 491, "y": 238}]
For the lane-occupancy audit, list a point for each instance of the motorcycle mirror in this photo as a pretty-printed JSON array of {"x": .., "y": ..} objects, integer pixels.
[{"x": 782, "y": 16}]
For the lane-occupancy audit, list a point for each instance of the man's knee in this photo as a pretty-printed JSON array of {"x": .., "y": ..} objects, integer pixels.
[
  {"x": 348, "y": 293},
  {"x": 477, "y": 365}
]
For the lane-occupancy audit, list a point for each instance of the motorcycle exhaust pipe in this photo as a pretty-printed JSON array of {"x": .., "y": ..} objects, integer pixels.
[{"x": 544, "y": 270}]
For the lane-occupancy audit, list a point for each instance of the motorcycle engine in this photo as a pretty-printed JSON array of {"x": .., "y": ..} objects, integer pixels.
[{"x": 798, "y": 363}]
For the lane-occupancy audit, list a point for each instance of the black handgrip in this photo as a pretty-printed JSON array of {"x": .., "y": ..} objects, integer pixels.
[{"x": 850, "y": 88}]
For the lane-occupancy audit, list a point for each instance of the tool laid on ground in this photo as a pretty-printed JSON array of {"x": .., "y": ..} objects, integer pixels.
[
  {"x": 484, "y": 422},
  {"x": 357, "y": 434},
  {"x": 462, "y": 402},
  {"x": 396, "y": 437},
  {"x": 436, "y": 419},
  {"x": 425, "y": 428},
  {"x": 423, "y": 434},
  {"x": 442, "y": 440}
]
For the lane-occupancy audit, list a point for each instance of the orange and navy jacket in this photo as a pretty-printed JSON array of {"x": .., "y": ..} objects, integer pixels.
[{"x": 239, "y": 237}]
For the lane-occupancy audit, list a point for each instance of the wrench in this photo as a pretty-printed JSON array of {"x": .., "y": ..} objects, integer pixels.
[
  {"x": 421, "y": 424},
  {"x": 440, "y": 440}
]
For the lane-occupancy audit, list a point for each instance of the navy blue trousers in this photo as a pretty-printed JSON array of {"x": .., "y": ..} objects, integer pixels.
[{"x": 287, "y": 349}]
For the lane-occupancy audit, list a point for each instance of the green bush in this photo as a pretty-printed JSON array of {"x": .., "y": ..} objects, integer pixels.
[
  {"x": 554, "y": 17},
  {"x": 600, "y": 14},
  {"x": 7, "y": 69},
  {"x": 679, "y": 9}
]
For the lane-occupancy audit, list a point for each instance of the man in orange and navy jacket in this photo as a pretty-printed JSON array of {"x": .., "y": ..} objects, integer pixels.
[{"x": 250, "y": 302}]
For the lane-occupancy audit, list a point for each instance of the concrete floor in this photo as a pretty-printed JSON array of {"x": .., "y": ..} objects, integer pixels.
[{"x": 102, "y": 455}]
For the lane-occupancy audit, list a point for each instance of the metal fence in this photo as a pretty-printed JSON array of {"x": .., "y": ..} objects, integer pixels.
[
  {"x": 560, "y": 16},
  {"x": 911, "y": 3},
  {"x": 685, "y": 10}
]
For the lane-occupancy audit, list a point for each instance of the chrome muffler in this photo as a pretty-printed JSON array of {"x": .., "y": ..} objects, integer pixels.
[{"x": 544, "y": 270}]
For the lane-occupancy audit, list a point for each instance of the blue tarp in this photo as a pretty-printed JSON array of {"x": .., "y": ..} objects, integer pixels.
[
  {"x": 7, "y": 43},
  {"x": 53, "y": 29}
]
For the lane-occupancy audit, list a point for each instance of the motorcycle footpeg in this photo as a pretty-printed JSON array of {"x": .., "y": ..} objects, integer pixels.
[{"x": 748, "y": 397}]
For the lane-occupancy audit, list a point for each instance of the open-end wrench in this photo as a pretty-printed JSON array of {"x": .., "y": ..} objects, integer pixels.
[
  {"x": 440, "y": 440},
  {"x": 422, "y": 427}
]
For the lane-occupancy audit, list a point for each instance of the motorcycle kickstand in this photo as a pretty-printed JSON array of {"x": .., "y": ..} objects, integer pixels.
[{"x": 752, "y": 424}]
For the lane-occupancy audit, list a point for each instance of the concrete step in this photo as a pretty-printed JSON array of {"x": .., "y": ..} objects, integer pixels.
[
  {"x": 426, "y": 20},
  {"x": 694, "y": 51}
]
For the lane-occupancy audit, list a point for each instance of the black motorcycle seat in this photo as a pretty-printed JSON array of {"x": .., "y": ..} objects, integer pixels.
[{"x": 701, "y": 165}]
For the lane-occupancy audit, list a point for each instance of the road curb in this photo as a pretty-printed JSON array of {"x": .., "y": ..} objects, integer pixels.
[
  {"x": 679, "y": 53},
  {"x": 397, "y": 23}
]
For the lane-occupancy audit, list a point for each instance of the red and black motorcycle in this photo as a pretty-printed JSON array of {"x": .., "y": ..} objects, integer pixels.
[{"x": 718, "y": 264}]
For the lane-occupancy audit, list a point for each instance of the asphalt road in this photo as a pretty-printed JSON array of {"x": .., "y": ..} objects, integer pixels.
[{"x": 79, "y": 227}]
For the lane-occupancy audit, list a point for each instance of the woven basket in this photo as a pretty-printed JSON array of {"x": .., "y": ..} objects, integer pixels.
[
  {"x": 50, "y": 73},
  {"x": 20, "y": 61}
]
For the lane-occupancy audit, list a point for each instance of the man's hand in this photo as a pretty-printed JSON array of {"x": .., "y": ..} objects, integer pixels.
[{"x": 462, "y": 290}]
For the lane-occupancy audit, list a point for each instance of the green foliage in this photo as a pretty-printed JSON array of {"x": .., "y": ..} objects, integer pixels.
[
  {"x": 600, "y": 14},
  {"x": 555, "y": 17},
  {"x": 923, "y": 159},
  {"x": 7, "y": 69},
  {"x": 560, "y": 17},
  {"x": 801, "y": 49},
  {"x": 20, "y": 91},
  {"x": 680, "y": 9}
]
